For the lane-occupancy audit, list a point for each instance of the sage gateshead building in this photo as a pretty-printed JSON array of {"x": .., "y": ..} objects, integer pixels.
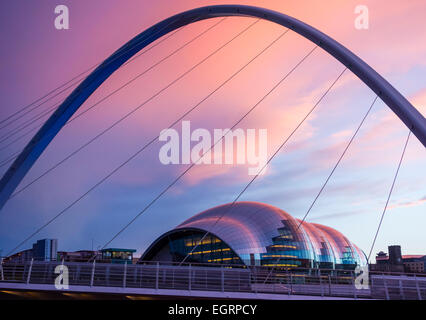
[{"x": 255, "y": 234}]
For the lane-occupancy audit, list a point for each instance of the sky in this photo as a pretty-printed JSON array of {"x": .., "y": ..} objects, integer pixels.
[{"x": 36, "y": 58}]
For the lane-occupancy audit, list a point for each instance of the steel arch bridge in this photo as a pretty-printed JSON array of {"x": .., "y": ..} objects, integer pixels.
[{"x": 407, "y": 113}]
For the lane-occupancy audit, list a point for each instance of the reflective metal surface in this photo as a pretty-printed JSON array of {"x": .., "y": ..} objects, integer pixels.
[{"x": 261, "y": 234}]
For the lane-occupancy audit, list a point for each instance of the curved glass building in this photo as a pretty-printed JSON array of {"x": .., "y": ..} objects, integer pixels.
[{"x": 253, "y": 233}]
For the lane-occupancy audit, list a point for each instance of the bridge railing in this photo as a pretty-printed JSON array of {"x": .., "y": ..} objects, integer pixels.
[{"x": 222, "y": 278}]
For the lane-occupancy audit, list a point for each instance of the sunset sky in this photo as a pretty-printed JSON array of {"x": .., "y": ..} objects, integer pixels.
[{"x": 35, "y": 58}]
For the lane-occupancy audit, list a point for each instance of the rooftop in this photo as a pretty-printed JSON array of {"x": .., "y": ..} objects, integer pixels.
[{"x": 407, "y": 256}]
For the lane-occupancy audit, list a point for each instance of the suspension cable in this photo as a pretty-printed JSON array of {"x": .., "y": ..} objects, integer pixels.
[
  {"x": 79, "y": 77},
  {"x": 154, "y": 139},
  {"x": 5, "y": 161},
  {"x": 389, "y": 195},
  {"x": 337, "y": 163},
  {"x": 29, "y": 122},
  {"x": 43, "y": 114},
  {"x": 133, "y": 110},
  {"x": 194, "y": 163},
  {"x": 127, "y": 62},
  {"x": 328, "y": 178},
  {"x": 265, "y": 165},
  {"x": 130, "y": 112},
  {"x": 19, "y": 138}
]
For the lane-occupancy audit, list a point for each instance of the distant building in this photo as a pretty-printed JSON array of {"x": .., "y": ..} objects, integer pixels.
[
  {"x": 110, "y": 255},
  {"x": 45, "y": 249},
  {"x": 396, "y": 262},
  {"x": 135, "y": 259},
  {"x": 414, "y": 263},
  {"x": 78, "y": 256},
  {"x": 395, "y": 256},
  {"x": 42, "y": 250},
  {"x": 20, "y": 257},
  {"x": 117, "y": 255}
]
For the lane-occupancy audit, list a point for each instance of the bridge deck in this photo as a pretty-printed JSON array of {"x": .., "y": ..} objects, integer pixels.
[{"x": 205, "y": 281}]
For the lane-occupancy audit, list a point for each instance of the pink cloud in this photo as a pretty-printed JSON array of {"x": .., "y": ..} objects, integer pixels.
[{"x": 413, "y": 203}]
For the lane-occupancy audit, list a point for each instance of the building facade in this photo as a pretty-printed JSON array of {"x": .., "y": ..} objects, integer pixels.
[
  {"x": 20, "y": 257},
  {"x": 78, "y": 256},
  {"x": 117, "y": 255},
  {"x": 109, "y": 255},
  {"x": 252, "y": 233},
  {"x": 414, "y": 263},
  {"x": 42, "y": 250},
  {"x": 45, "y": 249},
  {"x": 396, "y": 262}
]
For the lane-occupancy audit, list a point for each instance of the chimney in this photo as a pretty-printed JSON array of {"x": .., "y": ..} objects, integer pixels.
[{"x": 395, "y": 256}]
